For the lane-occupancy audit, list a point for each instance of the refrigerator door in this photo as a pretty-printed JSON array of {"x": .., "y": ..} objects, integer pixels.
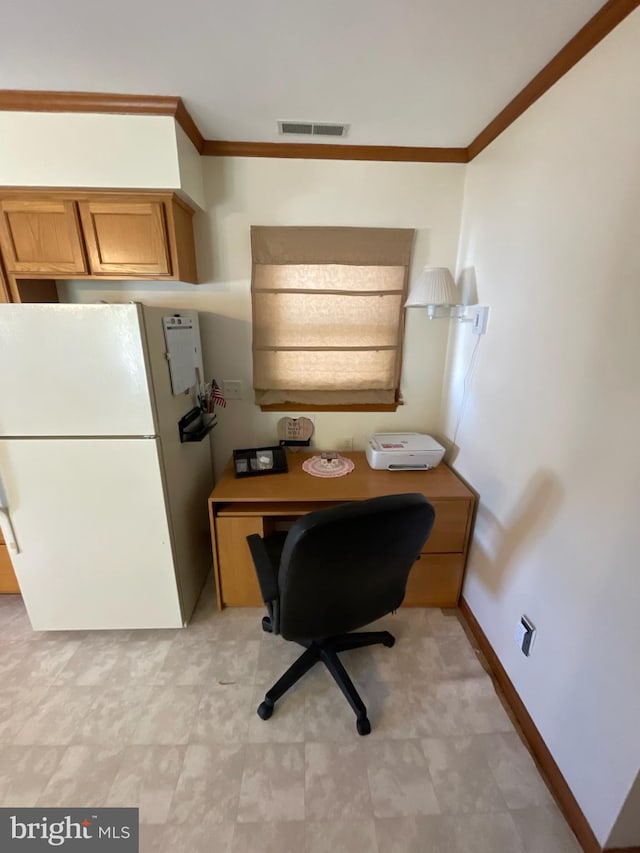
[
  {"x": 92, "y": 534},
  {"x": 73, "y": 370}
]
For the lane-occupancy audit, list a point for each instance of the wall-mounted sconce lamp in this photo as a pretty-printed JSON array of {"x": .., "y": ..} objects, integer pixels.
[{"x": 435, "y": 290}]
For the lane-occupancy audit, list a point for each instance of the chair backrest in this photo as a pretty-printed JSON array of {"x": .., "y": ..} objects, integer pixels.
[{"x": 344, "y": 567}]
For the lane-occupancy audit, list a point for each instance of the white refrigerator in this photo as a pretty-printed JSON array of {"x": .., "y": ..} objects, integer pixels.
[{"x": 102, "y": 505}]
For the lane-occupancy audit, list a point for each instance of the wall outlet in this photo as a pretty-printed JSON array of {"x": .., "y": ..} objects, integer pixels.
[
  {"x": 346, "y": 443},
  {"x": 232, "y": 389},
  {"x": 524, "y": 635}
]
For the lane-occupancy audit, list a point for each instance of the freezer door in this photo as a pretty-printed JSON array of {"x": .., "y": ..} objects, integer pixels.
[
  {"x": 93, "y": 539},
  {"x": 73, "y": 370}
]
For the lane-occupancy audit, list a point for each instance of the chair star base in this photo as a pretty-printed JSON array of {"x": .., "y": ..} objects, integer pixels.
[{"x": 326, "y": 650}]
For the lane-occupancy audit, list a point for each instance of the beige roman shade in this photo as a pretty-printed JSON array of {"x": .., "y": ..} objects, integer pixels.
[{"x": 327, "y": 314}]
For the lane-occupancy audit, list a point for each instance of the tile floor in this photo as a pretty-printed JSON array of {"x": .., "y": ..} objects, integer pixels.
[{"x": 166, "y": 721}]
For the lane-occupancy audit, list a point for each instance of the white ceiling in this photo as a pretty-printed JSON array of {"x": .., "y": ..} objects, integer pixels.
[{"x": 399, "y": 72}]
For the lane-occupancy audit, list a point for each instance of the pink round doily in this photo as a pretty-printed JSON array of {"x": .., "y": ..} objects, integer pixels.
[{"x": 318, "y": 467}]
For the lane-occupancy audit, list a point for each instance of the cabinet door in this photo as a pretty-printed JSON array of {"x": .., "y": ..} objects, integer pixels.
[
  {"x": 41, "y": 236},
  {"x": 4, "y": 288},
  {"x": 126, "y": 237},
  {"x": 8, "y": 580}
]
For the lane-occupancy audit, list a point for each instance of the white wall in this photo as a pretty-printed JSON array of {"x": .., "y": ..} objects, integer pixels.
[
  {"x": 190, "y": 166},
  {"x": 549, "y": 437},
  {"x": 97, "y": 150},
  {"x": 245, "y": 191}
]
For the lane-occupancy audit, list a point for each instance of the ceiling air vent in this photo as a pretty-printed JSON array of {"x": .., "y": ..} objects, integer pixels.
[
  {"x": 329, "y": 129},
  {"x": 295, "y": 127},
  {"x": 308, "y": 128}
]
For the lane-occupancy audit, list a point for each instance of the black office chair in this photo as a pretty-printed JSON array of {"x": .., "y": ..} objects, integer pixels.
[{"x": 336, "y": 570}]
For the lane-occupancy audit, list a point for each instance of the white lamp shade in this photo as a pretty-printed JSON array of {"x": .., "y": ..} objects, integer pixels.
[{"x": 434, "y": 286}]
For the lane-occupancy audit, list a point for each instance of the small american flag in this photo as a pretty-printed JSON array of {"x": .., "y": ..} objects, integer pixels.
[{"x": 217, "y": 395}]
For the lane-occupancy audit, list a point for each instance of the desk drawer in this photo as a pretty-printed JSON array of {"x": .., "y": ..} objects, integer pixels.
[
  {"x": 450, "y": 529},
  {"x": 435, "y": 581},
  {"x": 8, "y": 580}
]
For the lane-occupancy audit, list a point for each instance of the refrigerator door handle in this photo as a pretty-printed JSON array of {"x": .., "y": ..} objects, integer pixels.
[{"x": 4, "y": 510}]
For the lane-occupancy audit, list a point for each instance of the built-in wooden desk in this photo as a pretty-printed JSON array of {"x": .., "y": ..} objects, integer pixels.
[{"x": 262, "y": 504}]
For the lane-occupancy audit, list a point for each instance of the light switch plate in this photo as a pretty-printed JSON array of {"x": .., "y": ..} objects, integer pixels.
[{"x": 232, "y": 389}]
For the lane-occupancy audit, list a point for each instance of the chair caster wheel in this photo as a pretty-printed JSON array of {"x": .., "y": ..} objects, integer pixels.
[
  {"x": 265, "y": 710},
  {"x": 363, "y": 725},
  {"x": 390, "y": 641},
  {"x": 266, "y": 625}
]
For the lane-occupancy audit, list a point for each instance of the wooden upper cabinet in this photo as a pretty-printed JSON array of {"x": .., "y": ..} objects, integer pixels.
[
  {"x": 4, "y": 288},
  {"x": 64, "y": 234},
  {"x": 125, "y": 237},
  {"x": 41, "y": 236}
]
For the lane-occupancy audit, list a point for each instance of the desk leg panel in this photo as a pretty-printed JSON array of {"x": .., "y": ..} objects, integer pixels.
[
  {"x": 214, "y": 551},
  {"x": 238, "y": 582}
]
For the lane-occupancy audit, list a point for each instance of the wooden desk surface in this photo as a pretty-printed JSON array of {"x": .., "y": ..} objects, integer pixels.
[
  {"x": 363, "y": 482},
  {"x": 241, "y": 506}
]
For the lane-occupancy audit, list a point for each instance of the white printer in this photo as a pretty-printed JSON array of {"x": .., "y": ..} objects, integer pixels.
[{"x": 403, "y": 451}]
